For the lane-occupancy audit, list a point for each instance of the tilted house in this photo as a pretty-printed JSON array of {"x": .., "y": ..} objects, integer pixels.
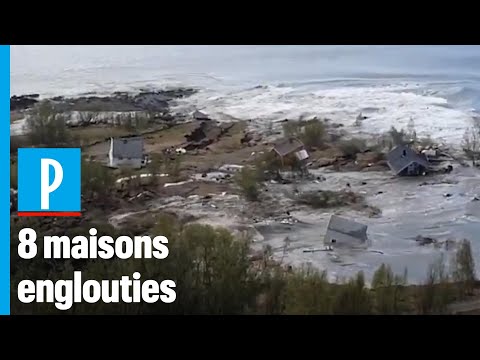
[
  {"x": 291, "y": 147},
  {"x": 342, "y": 232},
  {"x": 200, "y": 116},
  {"x": 405, "y": 161},
  {"x": 127, "y": 152}
]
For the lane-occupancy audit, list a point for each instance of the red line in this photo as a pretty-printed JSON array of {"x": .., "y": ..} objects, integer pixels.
[{"x": 49, "y": 213}]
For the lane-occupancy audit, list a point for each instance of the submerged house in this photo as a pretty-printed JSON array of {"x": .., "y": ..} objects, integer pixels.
[
  {"x": 127, "y": 152},
  {"x": 345, "y": 233},
  {"x": 405, "y": 161},
  {"x": 290, "y": 147}
]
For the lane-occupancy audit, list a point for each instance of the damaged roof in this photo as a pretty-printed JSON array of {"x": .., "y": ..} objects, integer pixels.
[
  {"x": 402, "y": 156},
  {"x": 288, "y": 146},
  {"x": 344, "y": 231},
  {"x": 128, "y": 147},
  {"x": 198, "y": 115}
]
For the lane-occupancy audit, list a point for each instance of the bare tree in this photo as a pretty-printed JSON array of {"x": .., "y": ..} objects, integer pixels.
[
  {"x": 464, "y": 268},
  {"x": 412, "y": 133},
  {"x": 471, "y": 141}
]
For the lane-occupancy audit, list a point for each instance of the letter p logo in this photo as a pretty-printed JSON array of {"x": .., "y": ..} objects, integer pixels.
[
  {"x": 45, "y": 187},
  {"x": 49, "y": 182}
]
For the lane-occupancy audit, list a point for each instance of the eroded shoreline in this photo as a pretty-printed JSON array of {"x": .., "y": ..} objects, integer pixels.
[{"x": 204, "y": 193}]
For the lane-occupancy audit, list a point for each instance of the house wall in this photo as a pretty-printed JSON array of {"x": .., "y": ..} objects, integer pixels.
[
  {"x": 342, "y": 240},
  {"x": 413, "y": 169},
  {"x": 133, "y": 163},
  {"x": 116, "y": 162}
]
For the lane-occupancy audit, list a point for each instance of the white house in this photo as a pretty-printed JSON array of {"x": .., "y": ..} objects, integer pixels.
[{"x": 127, "y": 152}]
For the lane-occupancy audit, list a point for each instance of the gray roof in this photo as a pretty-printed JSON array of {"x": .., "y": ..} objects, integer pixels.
[
  {"x": 402, "y": 156},
  {"x": 129, "y": 148},
  {"x": 345, "y": 231},
  {"x": 198, "y": 115},
  {"x": 288, "y": 146}
]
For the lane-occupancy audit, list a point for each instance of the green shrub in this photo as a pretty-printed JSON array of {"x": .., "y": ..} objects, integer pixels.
[
  {"x": 247, "y": 180},
  {"x": 436, "y": 293},
  {"x": 308, "y": 293},
  {"x": 389, "y": 291},
  {"x": 350, "y": 148},
  {"x": 97, "y": 179},
  {"x": 47, "y": 127},
  {"x": 311, "y": 133},
  {"x": 353, "y": 298}
]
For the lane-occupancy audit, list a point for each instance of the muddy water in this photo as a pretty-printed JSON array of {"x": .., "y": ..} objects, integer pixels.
[
  {"x": 408, "y": 210},
  {"x": 444, "y": 210}
]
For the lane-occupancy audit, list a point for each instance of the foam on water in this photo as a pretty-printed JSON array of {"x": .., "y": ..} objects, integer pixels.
[
  {"x": 437, "y": 86},
  {"x": 385, "y": 106}
]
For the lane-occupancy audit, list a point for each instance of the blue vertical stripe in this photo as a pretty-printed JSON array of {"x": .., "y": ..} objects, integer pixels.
[{"x": 5, "y": 180}]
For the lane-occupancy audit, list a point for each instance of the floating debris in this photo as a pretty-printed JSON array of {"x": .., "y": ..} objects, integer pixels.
[{"x": 177, "y": 183}]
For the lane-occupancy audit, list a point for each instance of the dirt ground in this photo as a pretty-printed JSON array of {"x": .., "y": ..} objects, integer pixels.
[{"x": 227, "y": 150}]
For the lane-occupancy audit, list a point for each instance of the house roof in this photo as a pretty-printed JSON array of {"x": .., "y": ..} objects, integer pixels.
[
  {"x": 402, "y": 156},
  {"x": 288, "y": 146},
  {"x": 344, "y": 230},
  {"x": 198, "y": 115},
  {"x": 128, "y": 147}
]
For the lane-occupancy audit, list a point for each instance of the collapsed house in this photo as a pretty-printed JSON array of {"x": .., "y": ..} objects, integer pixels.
[
  {"x": 200, "y": 116},
  {"x": 342, "y": 232},
  {"x": 405, "y": 161},
  {"x": 291, "y": 148},
  {"x": 127, "y": 152},
  {"x": 206, "y": 133}
]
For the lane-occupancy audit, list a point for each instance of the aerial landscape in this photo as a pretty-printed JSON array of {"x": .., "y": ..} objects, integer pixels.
[{"x": 290, "y": 179}]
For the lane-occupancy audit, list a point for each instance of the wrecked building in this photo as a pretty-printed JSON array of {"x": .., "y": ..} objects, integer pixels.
[
  {"x": 405, "y": 161},
  {"x": 200, "y": 116},
  {"x": 291, "y": 148},
  {"x": 344, "y": 232}
]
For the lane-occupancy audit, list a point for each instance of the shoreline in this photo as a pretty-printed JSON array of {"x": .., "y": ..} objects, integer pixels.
[{"x": 201, "y": 183}]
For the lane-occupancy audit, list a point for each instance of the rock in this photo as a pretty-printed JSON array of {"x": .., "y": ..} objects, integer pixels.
[
  {"x": 117, "y": 108},
  {"x": 364, "y": 183},
  {"x": 23, "y": 102},
  {"x": 423, "y": 240},
  {"x": 449, "y": 244},
  {"x": 13, "y": 200},
  {"x": 246, "y": 138},
  {"x": 379, "y": 192},
  {"x": 251, "y": 138},
  {"x": 326, "y": 162},
  {"x": 375, "y": 168},
  {"x": 447, "y": 195}
]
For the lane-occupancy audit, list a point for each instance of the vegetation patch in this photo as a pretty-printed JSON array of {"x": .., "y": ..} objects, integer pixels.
[{"x": 327, "y": 199}]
